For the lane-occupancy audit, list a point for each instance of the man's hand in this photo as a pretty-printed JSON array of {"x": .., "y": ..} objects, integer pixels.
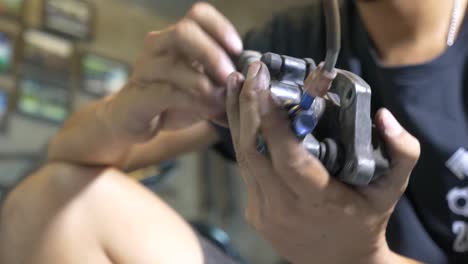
[
  {"x": 175, "y": 83},
  {"x": 308, "y": 216},
  {"x": 178, "y": 78}
]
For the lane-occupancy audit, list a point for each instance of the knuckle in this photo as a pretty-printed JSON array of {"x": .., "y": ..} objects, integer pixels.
[
  {"x": 184, "y": 28},
  {"x": 412, "y": 151},
  {"x": 247, "y": 95},
  {"x": 200, "y": 9},
  {"x": 215, "y": 56},
  {"x": 294, "y": 162},
  {"x": 151, "y": 38},
  {"x": 203, "y": 86},
  {"x": 416, "y": 150}
]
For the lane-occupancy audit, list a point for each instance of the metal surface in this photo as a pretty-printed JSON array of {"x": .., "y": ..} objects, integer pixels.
[
  {"x": 355, "y": 128},
  {"x": 345, "y": 144}
]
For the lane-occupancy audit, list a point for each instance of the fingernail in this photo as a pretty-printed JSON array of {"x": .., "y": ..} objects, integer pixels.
[
  {"x": 391, "y": 127},
  {"x": 254, "y": 70},
  {"x": 235, "y": 42}
]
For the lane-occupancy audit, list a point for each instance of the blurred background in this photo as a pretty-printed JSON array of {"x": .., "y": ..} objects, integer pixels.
[{"x": 56, "y": 55}]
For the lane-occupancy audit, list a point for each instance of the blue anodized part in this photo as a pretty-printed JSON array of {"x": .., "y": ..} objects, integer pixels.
[{"x": 304, "y": 123}]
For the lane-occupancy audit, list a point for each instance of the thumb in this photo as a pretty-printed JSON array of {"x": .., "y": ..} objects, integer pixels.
[
  {"x": 403, "y": 148},
  {"x": 404, "y": 151}
]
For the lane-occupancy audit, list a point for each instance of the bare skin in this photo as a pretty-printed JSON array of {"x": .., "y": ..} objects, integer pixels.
[
  {"x": 408, "y": 32},
  {"x": 177, "y": 82},
  {"x": 418, "y": 35},
  {"x": 404, "y": 32},
  {"x": 145, "y": 120},
  {"x": 293, "y": 202},
  {"x": 98, "y": 215},
  {"x": 73, "y": 214}
]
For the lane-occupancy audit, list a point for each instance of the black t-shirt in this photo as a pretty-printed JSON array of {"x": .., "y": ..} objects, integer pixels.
[{"x": 430, "y": 223}]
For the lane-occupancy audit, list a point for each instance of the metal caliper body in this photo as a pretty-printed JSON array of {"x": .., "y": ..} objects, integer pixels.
[{"x": 337, "y": 130}]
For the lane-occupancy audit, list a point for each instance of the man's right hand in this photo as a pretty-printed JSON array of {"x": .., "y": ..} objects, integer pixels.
[
  {"x": 307, "y": 215},
  {"x": 179, "y": 78}
]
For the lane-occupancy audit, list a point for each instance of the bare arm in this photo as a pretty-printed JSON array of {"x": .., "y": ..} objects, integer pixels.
[
  {"x": 89, "y": 138},
  {"x": 177, "y": 83},
  {"x": 67, "y": 214}
]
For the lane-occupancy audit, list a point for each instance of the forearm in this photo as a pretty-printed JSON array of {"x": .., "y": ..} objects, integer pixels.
[{"x": 89, "y": 138}]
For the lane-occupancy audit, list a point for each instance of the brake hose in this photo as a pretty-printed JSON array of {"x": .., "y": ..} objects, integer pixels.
[
  {"x": 333, "y": 29},
  {"x": 321, "y": 78}
]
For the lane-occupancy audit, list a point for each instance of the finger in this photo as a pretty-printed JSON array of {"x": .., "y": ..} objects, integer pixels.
[
  {"x": 217, "y": 26},
  {"x": 157, "y": 97},
  {"x": 298, "y": 168},
  {"x": 166, "y": 69},
  {"x": 181, "y": 101},
  {"x": 234, "y": 85},
  {"x": 258, "y": 80},
  {"x": 404, "y": 151},
  {"x": 235, "y": 81},
  {"x": 271, "y": 190},
  {"x": 190, "y": 40},
  {"x": 183, "y": 76},
  {"x": 177, "y": 119},
  {"x": 200, "y": 87}
]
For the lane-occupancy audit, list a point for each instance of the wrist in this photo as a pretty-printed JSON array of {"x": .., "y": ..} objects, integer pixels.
[
  {"x": 112, "y": 121},
  {"x": 123, "y": 124}
]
